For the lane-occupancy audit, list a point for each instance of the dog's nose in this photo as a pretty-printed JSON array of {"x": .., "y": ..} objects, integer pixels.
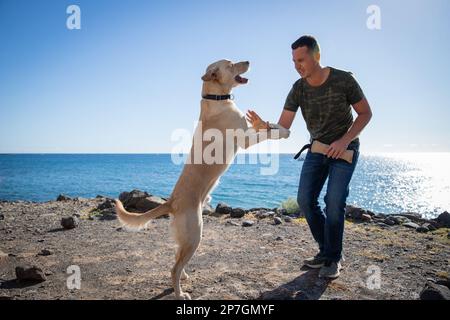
[{"x": 247, "y": 62}]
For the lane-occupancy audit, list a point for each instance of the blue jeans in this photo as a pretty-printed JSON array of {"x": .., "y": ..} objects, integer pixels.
[{"x": 327, "y": 227}]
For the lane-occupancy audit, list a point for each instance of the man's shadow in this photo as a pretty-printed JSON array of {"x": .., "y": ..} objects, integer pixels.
[{"x": 307, "y": 286}]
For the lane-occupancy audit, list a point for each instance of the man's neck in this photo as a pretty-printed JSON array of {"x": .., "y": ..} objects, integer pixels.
[{"x": 319, "y": 76}]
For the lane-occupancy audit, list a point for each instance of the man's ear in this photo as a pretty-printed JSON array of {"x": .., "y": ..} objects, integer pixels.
[
  {"x": 317, "y": 56},
  {"x": 210, "y": 74}
]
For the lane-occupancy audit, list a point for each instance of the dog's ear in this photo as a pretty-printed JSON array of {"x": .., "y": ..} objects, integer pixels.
[{"x": 211, "y": 74}]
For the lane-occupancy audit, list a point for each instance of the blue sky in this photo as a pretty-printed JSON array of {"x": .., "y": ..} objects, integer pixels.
[{"x": 131, "y": 75}]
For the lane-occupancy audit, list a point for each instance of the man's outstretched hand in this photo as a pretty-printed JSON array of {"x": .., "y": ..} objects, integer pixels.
[{"x": 257, "y": 123}]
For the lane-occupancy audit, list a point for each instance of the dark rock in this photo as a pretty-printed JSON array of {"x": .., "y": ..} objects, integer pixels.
[
  {"x": 237, "y": 213},
  {"x": 277, "y": 220},
  {"x": 99, "y": 196},
  {"x": 414, "y": 217},
  {"x": 148, "y": 203},
  {"x": 107, "y": 204},
  {"x": 353, "y": 212},
  {"x": 429, "y": 226},
  {"x": 248, "y": 223},
  {"x": 107, "y": 215},
  {"x": 411, "y": 225},
  {"x": 257, "y": 209},
  {"x": 422, "y": 229},
  {"x": 279, "y": 238},
  {"x": 45, "y": 252},
  {"x": 223, "y": 208},
  {"x": 370, "y": 213},
  {"x": 380, "y": 216},
  {"x": 444, "y": 219},
  {"x": 69, "y": 222},
  {"x": 2, "y": 216},
  {"x": 270, "y": 213},
  {"x": 399, "y": 219},
  {"x": 299, "y": 214},
  {"x": 281, "y": 211},
  {"x": 30, "y": 273},
  {"x": 62, "y": 197},
  {"x": 390, "y": 222},
  {"x": 366, "y": 217},
  {"x": 261, "y": 214},
  {"x": 131, "y": 199},
  {"x": 433, "y": 291},
  {"x": 287, "y": 219}
]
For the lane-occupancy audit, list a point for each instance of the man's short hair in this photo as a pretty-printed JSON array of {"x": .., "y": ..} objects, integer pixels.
[{"x": 306, "y": 41}]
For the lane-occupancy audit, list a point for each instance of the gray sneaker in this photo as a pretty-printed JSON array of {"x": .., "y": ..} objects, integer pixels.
[
  {"x": 315, "y": 262},
  {"x": 330, "y": 270}
]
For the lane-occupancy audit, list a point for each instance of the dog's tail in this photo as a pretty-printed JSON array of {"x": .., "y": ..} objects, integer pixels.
[{"x": 138, "y": 221}]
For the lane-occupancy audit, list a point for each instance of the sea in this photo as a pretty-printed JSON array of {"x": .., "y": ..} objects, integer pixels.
[{"x": 386, "y": 183}]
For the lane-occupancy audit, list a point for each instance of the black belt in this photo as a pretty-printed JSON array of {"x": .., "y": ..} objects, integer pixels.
[{"x": 306, "y": 146}]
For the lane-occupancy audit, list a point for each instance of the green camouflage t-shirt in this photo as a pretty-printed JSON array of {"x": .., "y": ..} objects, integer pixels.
[{"x": 326, "y": 108}]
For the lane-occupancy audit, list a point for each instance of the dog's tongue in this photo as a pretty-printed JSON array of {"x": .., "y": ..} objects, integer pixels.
[{"x": 241, "y": 79}]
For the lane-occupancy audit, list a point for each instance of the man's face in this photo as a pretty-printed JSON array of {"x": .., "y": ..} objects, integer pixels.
[{"x": 304, "y": 61}]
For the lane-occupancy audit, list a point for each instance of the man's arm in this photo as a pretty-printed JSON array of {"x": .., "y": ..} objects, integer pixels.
[
  {"x": 364, "y": 112},
  {"x": 338, "y": 147},
  {"x": 264, "y": 130},
  {"x": 286, "y": 118}
]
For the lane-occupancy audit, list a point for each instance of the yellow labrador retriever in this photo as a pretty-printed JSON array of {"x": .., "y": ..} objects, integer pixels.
[{"x": 225, "y": 125}]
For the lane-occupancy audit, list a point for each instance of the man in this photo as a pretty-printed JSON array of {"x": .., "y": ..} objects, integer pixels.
[{"x": 324, "y": 95}]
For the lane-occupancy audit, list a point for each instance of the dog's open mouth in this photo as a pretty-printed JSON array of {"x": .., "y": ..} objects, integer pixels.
[{"x": 240, "y": 79}]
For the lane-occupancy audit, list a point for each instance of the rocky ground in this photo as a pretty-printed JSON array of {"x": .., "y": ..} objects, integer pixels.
[{"x": 245, "y": 254}]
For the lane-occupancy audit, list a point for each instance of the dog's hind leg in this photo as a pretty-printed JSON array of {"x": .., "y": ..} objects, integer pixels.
[
  {"x": 185, "y": 254},
  {"x": 189, "y": 233},
  {"x": 184, "y": 275}
]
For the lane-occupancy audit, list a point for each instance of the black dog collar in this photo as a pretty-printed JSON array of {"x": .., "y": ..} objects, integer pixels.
[{"x": 218, "y": 97}]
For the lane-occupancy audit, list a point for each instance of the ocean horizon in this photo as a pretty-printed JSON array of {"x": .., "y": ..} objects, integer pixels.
[{"x": 382, "y": 182}]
